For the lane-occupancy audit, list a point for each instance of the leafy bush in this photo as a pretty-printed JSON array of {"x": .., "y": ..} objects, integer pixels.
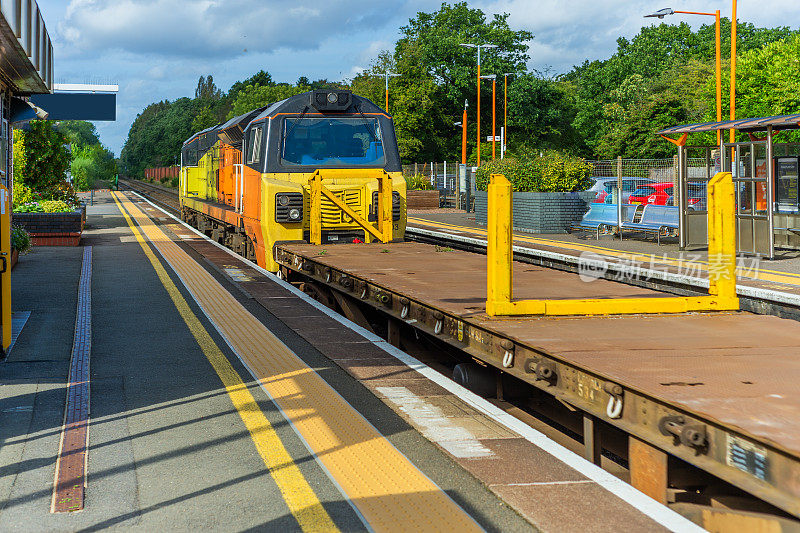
[
  {"x": 20, "y": 239},
  {"x": 174, "y": 182},
  {"x": 418, "y": 182},
  {"x": 24, "y": 194},
  {"x": 30, "y": 207},
  {"x": 55, "y": 206},
  {"x": 550, "y": 171},
  {"x": 45, "y": 206}
]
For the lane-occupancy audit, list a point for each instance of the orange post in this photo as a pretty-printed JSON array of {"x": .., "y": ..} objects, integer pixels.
[
  {"x": 505, "y": 112},
  {"x": 494, "y": 108},
  {"x": 719, "y": 65},
  {"x": 479, "y": 108},
  {"x": 464, "y": 138},
  {"x": 733, "y": 69}
]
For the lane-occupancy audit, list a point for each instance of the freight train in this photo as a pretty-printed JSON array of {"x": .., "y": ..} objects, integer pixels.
[{"x": 247, "y": 183}]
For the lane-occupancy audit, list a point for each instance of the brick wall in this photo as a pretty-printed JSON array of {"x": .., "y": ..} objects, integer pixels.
[
  {"x": 541, "y": 212},
  {"x": 42, "y": 223}
]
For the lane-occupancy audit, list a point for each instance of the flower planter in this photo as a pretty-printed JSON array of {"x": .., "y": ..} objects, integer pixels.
[
  {"x": 51, "y": 229},
  {"x": 14, "y": 257},
  {"x": 541, "y": 212},
  {"x": 422, "y": 199}
]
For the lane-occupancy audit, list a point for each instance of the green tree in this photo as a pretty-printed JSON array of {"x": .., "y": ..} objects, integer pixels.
[
  {"x": 157, "y": 135},
  {"x": 79, "y": 132},
  {"x": 207, "y": 89},
  {"x": 46, "y": 160},
  {"x": 255, "y": 96},
  {"x": 92, "y": 163},
  {"x": 540, "y": 114},
  {"x": 261, "y": 78}
]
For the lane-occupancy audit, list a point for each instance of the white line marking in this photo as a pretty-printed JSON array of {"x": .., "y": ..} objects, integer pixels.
[
  {"x": 432, "y": 422},
  {"x": 537, "y": 483},
  {"x": 640, "y": 501}
]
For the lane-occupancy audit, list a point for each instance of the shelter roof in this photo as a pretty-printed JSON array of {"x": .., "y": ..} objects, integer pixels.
[{"x": 778, "y": 122}]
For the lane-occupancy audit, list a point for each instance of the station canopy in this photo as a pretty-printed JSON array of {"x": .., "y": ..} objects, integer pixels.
[{"x": 779, "y": 122}]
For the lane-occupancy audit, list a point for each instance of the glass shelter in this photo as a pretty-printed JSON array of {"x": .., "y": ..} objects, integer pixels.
[{"x": 765, "y": 176}]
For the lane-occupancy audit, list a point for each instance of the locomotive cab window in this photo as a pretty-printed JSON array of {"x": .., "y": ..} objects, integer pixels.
[
  {"x": 254, "y": 145},
  {"x": 331, "y": 142}
]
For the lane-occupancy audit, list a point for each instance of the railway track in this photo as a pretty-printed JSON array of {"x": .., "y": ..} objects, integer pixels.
[
  {"x": 163, "y": 196},
  {"x": 547, "y": 413}
]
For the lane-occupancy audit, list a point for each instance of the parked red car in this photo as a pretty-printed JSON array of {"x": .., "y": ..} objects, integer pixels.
[{"x": 654, "y": 193}]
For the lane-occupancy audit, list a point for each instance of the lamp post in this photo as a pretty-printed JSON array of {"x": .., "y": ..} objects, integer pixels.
[
  {"x": 388, "y": 75},
  {"x": 661, "y": 13},
  {"x": 479, "y": 46},
  {"x": 504, "y": 144},
  {"x": 493, "y": 77},
  {"x": 733, "y": 69},
  {"x": 463, "y": 125}
]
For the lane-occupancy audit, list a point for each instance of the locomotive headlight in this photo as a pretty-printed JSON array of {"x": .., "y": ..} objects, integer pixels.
[
  {"x": 294, "y": 214},
  {"x": 332, "y": 98},
  {"x": 283, "y": 200}
]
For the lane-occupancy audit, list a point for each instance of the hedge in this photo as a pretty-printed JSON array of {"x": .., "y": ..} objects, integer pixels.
[{"x": 549, "y": 172}]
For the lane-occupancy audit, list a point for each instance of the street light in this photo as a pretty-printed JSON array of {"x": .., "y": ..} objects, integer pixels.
[
  {"x": 479, "y": 46},
  {"x": 388, "y": 75},
  {"x": 463, "y": 125},
  {"x": 505, "y": 113},
  {"x": 661, "y": 13},
  {"x": 733, "y": 69},
  {"x": 493, "y": 77}
]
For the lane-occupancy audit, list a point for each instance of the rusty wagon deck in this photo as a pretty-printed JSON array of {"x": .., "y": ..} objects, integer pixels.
[{"x": 730, "y": 377}]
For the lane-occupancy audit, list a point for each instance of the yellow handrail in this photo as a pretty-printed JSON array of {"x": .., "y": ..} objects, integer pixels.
[
  {"x": 382, "y": 231},
  {"x": 721, "y": 267}
]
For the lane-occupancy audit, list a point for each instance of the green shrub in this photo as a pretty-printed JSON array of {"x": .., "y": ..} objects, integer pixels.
[
  {"x": 55, "y": 206},
  {"x": 550, "y": 171},
  {"x": 24, "y": 194},
  {"x": 174, "y": 182},
  {"x": 30, "y": 207},
  {"x": 20, "y": 239},
  {"x": 418, "y": 182}
]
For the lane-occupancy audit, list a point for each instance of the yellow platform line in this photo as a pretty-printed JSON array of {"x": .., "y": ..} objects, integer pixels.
[
  {"x": 388, "y": 491},
  {"x": 295, "y": 489},
  {"x": 761, "y": 274}
]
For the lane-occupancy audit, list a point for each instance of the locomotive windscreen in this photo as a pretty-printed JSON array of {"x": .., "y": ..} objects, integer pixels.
[{"x": 330, "y": 142}]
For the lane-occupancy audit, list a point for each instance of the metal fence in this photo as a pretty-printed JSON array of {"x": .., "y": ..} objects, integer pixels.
[
  {"x": 455, "y": 190},
  {"x": 629, "y": 186}
]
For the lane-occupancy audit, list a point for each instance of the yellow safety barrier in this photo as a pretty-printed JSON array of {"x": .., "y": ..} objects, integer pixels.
[
  {"x": 381, "y": 232},
  {"x": 721, "y": 264},
  {"x": 5, "y": 265}
]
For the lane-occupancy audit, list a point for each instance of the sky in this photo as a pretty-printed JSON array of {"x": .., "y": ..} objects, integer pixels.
[{"x": 157, "y": 49}]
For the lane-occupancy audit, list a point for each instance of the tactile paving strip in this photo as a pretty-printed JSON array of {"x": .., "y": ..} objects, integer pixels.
[
  {"x": 70, "y": 480},
  {"x": 382, "y": 484}
]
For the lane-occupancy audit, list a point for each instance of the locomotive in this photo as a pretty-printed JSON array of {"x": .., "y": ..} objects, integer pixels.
[{"x": 321, "y": 166}]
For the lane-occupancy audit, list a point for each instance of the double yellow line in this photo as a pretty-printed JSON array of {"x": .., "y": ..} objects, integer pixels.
[
  {"x": 295, "y": 489},
  {"x": 387, "y": 490}
]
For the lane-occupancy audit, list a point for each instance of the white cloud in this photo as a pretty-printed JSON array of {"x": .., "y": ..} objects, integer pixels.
[
  {"x": 210, "y": 28},
  {"x": 156, "y": 49}
]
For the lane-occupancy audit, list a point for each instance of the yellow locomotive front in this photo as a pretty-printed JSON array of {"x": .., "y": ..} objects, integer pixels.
[{"x": 320, "y": 167}]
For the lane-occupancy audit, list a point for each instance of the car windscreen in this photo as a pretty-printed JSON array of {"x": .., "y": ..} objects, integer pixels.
[
  {"x": 632, "y": 185},
  {"x": 332, "y": 142},
  {"x": 643, "y": 191}
]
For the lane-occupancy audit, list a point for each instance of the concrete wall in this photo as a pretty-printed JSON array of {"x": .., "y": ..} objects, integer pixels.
[{"x": 541, "y": 212}]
